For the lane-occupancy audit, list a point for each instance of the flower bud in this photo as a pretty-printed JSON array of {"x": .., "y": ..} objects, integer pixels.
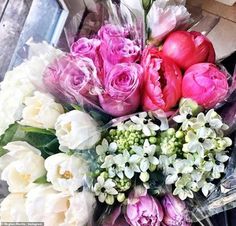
[
  {"x": 121, "y": 197},
  {"x": 110, "y": 200},
  {"x": 144, "y": 176}
]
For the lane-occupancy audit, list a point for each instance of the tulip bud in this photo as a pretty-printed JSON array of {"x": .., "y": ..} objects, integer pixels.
[
  {"x": 175, "y": 211},
  {"x": 188, "y": 48}
]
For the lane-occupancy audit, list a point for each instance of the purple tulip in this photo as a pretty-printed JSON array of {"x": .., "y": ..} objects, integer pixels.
[
  {"x": 175, "y": 211},
  {"x": 143, "y": 209}
]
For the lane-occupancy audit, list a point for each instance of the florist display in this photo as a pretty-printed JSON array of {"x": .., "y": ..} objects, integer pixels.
[{"x": 116, "y": 132}]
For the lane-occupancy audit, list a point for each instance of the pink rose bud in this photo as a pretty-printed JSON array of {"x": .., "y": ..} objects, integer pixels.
[
  {"x": 205, "y": 84},
  {"x": 122, "y": 89},
  {"x": 119, "y": 50},
  {"x": 143, "y": 210},
  {"x": 109, "y": 30},
  {"x": 72, "y": 79},
  {"x": 188, "y": 48},
  {"x": 175, "y": 211},
  {"x": 85, "y": 47},
  {"x": 162, "y": 81}
]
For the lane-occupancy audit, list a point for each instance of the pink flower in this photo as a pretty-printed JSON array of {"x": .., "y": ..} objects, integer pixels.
[
  {"x": 109, "y": 30},
  {"x": 119, "y": 50},
  {"x": 162, "y": 19},
  {"x": 205, "y": 84},
  {"x": 122, "y": 89},
  {"x": 116, "y": 218},
  {"x": 85, "y": 47},
  {"x": 162, "y": 81},
  {"x": 72, "y": 78},
  {"x": 188, "y": 48},
  {"x": 143, "y": 209},
  {"x": 175, "y": 211}
]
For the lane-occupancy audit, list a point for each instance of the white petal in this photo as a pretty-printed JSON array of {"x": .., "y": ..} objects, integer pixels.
[
  {"x": 171, "y": 179},
  {"x": 144, "y": 165},
  {"x": 129, "y": 172}
]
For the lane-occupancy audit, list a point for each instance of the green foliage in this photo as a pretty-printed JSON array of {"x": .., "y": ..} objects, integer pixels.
[
  {"x": 42, "y": 139},
  {"x": 41, "y": 180}
]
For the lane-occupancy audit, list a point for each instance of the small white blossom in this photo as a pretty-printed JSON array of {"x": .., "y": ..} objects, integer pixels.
[
  {"x": 104, "y": 149},
  {"x": 145, "y": 155},
  {"x": 103, "y": 188},
  {"x": 185, "y": 117}
]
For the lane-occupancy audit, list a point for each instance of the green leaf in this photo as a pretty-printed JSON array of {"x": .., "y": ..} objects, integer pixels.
[
  {"x": 76, "y": 107},
  {"x": 41, "y": 180},
  {"x": 42, "y": 139}
]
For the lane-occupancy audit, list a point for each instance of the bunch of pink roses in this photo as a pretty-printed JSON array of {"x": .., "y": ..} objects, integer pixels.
[{"x": 112, "y": 72}]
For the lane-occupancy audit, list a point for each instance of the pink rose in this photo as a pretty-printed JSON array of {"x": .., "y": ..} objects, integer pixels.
[
  {"x": 188, "y": 48},
  {"x": 143, "y": 209},
  {"x": 205, "y": 84},
  {"x": 162, "y": 81},
  {"x": 122, "y": 89},
  {"x": 109, "y": 30},
  {"x": 119, "y": 50},
  {"x": 85, "y": 47},
  {"x": 72, "y": 78},
  {"x": 175, "y": 211}
]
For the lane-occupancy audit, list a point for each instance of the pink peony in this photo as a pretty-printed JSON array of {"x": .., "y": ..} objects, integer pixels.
[
  {"x": 72, "y": 79},
  {"x": 143, "y": 209},
  {"x": 205, "y": 84},
  {"x": 188, "y": 48},
  {"x": 122, "y": 89},
  {"x": 85, "y": 47},
  {"x": 175, "y": 211},
  {"x": 162, "y": 81}
]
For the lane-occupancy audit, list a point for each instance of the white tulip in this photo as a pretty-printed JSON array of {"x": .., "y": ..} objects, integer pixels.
[
  {"x": 66, "y": 172},
  {"x": 13, "y": 208},
  {"x": 44, "y": 204},
  {"x": 76, "y": 130},
  {"x": 21, "y": 166},
  {"x": 41, "y": 111},
  {"x": 81, "y": 209}
]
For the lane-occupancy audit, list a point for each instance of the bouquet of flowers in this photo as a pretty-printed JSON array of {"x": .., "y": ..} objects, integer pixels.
[{"x": 128, "y": 129}]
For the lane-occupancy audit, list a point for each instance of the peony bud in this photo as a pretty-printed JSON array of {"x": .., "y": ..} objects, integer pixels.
[
  {"x": 188, "y": 48},
  {"x": 205, "y": 84}
]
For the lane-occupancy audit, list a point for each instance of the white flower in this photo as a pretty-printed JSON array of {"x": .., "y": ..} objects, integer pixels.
[
  {"x": 184, "y": 187},
  {"x": 41, "y": 111},
  {"x": 81, "y": 209},
  {"x": 206, "y": 187},
  {"x": 66, "y": 173},
  {"x": 22, "y": 81},
  {"x": 131, "y": 166},
  {"x": 144, "y": 124},
  {"x": 180, "y": 168},
  {"x": 115, "y": 165},
  {"x": 197, "y": 143},
  {"x": 24, "y": 166},
  {"x": 105, "y": 149},
  {"x": 145, "y": 155},
  {"x": 44, "y": 204},
  {"x": 185, "y": 117},
  {"x": 166, "y": 162},
  {"x": 76, "y": 130},
  {"x": 163, "y": 18},
  {"x": 103, "y": 188},
  {"x": 13, "y": 208}
]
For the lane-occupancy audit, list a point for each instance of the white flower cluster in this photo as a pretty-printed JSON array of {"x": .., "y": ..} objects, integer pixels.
[
  {"x": 21, "y": 82},
  {"x": 59, "y": 203},
  {"x": 132, "y": 150},
  {"x": 203, "y": 155}
]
